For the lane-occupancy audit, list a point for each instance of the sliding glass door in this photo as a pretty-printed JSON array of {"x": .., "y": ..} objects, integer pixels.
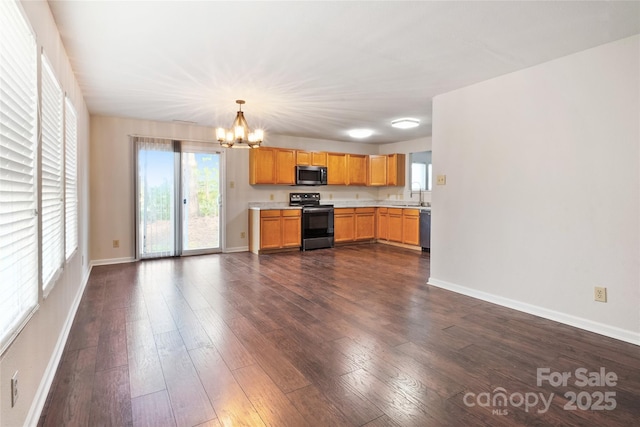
[
  {"x": 178, "y": 198},
  {"x": 201, "y": 200}
]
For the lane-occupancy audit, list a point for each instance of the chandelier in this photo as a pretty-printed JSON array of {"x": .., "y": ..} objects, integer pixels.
[{"x": 239, "y": 132}]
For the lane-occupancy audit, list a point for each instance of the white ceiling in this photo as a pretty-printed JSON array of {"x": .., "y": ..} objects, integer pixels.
[{"x": 314, "y": 69}]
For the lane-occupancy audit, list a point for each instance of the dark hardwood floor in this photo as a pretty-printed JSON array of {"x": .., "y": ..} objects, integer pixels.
[{"x": 350, "y": 336}]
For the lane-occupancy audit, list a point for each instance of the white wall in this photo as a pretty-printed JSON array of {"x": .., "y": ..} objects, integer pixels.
[
  {"x": 36, "y": 350},
  {"x": 541, "y": 201}
]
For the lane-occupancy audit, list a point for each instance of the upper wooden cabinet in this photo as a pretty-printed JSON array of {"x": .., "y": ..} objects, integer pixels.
[
  {"x": 270, "y": 165},
  {"x": 396, "y": 171},
  {"x": 357, "y": 169},
  {"x": 285, "y": 166},
  {"x": 337, "y": 169},
  {"x": 262, "y": 165},
  {"x": 311, "y": 158},
  {"x": 377, "y": 171}
]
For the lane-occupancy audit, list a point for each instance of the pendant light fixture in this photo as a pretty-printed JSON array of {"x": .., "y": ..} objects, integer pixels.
[{"x": 239, "y": 133}]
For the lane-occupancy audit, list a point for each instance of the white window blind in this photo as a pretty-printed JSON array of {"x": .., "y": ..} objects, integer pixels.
[
  {"x": 18, "y": 167},
  {"x": 51, "y": 175},
  {"x": 70, "y": 179}
]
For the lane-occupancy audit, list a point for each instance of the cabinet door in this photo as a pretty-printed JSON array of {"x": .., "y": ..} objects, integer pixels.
[
  {"x": 377, "y": 171},
  {"x": 291, "y": 229},
  {"x": 411, "y": 227},
  {"x": 357, "y": 169},
  {"x": 270, "y": 230},
  {"x": 285, "y": 166},
  {"x": 383, "y": 224},
  {"x": 365, "y": 224},
  {"x": 395, "y": 225},
  {"x": 344, "y": 225},
  {"x": 262, "y": 165},
  {"x": 303, "y": 158},
  {"x": 319, "y": 158},
  {"x": 396, "y": 169},
  {"x": 336, "y": 169}
]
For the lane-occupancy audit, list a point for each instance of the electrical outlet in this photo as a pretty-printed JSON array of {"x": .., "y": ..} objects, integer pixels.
[
  {"x": 600, "y": 294},
  {"x": 357, "y": 196},
  {"x": 330, "y": 196},
  {"x": 14, "y": 389},
  {"x": 243, "y": 234},
  {"x": 441, "y": 180},
  {"x": 232, "y": 184},
  {"x": 116, "y": 243},
  {"x": 270, "y": 196}
]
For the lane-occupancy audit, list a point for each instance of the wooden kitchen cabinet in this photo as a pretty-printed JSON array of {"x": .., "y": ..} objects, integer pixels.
[
  {"x": 357, "y": 169},
  {"x": 337, "y": 169},
  {"x": 291, "y": 228},
  {"x": 274, "y": 229},
  {"x": 269, "y": 165},
  {"x": 395, "y": 225},
  {"x": 344, "y": 225},
  {"x": 285, "y": 166},
  {"x": 262, "y": 165},
  {"x": 411, "y": 227},
  {"x": 365, "y": 223},
  {"x": 377, "y": 170},
  {"x": 396, "y": 169},
  {"x": 382, "y": 226},
  {"x": 311, "y": 158}
]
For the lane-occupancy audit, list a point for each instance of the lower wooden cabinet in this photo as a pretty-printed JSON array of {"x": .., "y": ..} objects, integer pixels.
[
  {"x": 365, "y": 224},
  {"x": 395, "y": 225},
  {"x": 411, "y": 227},
  {"x": 274, "y": 229},
  {"x": 382, "y": 229},
  {"x": 344, "y": 221}
]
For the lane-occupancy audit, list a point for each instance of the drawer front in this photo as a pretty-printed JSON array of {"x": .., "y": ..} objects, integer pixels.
[
  {"x": 270, "y": 213},
  {"x": 395, "y": 211},
  {"x": 411, "y": 212},
  {"x": 343, "y": 211},
  {"x": 291, "y": 212},
  {"x": 365, "y": 210}
]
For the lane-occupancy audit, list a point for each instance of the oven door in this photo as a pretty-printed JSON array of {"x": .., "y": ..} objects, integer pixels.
[{"x": 317, "y": 222}]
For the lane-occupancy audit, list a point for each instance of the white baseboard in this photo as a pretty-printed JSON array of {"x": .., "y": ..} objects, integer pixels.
[
  {"x": 33, "y": 417},
  {"x": 112, "y": 261},
  {"x": 236, "y": 249},
  {"x": 578, "y": 322}
]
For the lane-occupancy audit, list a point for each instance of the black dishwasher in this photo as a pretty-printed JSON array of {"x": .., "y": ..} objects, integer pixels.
[{"x": 425, "y": 230}]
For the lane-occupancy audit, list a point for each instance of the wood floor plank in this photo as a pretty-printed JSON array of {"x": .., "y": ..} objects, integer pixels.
[
  {"x": 71, "y": 400},
  {"x": 283, "y": 373},
  {"x": 145, "y": 371},
  {"x": 274, "y": 407},
  {"x": 152, "y": 410},
  {"x": 111, "y": 401},
  {"x": 189, "y": 401},
  {"x": 231, "y": 404}
]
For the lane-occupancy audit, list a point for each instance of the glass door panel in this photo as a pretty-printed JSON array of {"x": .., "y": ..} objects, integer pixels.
[
  {"x": 200, "y": 201},
  {"x": 156, "y": 200}
]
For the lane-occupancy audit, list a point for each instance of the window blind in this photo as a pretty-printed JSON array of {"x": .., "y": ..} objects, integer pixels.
[
  {"x": 70, "y": 179},
  {"x": 51, "y": 175},
  {"x": 18, "y": 167}
]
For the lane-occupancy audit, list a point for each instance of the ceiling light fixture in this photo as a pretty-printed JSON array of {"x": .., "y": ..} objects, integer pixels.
[
  {"x": 360, "y": 133},
  {"x": 239, "y": 133},
  {"x": 406, "y": 123}
]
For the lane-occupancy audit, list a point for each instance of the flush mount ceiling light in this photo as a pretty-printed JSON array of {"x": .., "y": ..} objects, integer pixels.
[
  {"x": 239, "y": 133},
  {"x": 406, "y": 123},
  {"x": 360, "y": 133}
]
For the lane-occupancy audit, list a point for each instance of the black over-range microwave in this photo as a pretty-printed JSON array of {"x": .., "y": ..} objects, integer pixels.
[{"x": 311, "y": 175}]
